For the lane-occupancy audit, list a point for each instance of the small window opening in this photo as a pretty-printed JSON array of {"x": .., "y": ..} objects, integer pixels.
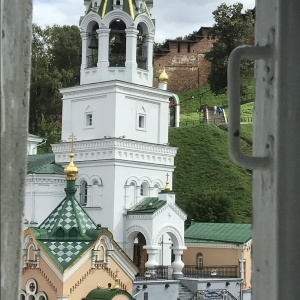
[
  {"x": 189, "y": 47},
  {"x": 200, "y": 260},
  {"x": 83, "y": 194},
  {"x": 178, "y": 47},
  {"x": 142, "y": 190},
  {"x": 95, "y": 4},
  {"x": 141, "y": 121},
  {"x": 89, "y": 120},
  {"x": 118, "y": 2}
]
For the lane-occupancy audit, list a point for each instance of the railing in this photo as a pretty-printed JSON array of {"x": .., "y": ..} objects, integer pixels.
[
  {"x": 117, "y": 60},
  {"x": 246, "y": 120},
  {"x": 141, "y": 62},
  {"x": 210, "y": 271},
  {"x": 91, "y": 61},
  {"x": 214, "y": 294},
  {"x": 156, "y": 273}
]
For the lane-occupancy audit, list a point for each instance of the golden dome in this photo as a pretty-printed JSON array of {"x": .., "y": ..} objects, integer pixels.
[
  {"x": 163, "y": 77},
  {"x": 71, "y": 171}
]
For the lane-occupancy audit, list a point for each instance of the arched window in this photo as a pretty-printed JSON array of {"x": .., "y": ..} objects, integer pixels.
[
  {"x": 144, "y": 189},
  {"x": 117, "y": 44},
  {"x": 22, "y": 297},
  {"x": 200, "y": 260},
  {"x": 83, "y": 193}
]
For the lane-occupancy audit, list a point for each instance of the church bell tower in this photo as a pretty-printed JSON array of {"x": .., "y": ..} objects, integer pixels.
[
  {"x": 117, "y": 42},
  {"x": 121, "y": 126}
]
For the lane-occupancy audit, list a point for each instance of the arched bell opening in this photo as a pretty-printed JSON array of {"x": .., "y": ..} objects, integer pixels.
[
  {"x": 141, "y": 48},
  {"x": 92, "y": 46},
  {"x": 117, "y": 44},
  {"x": 140, "y": 256},
  {"x": 172, "y": 113}
]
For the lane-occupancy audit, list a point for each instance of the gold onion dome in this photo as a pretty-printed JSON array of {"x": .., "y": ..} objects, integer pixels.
[
  {"x": 71, "y": 171},
  {"x": 163, "y": 77}
]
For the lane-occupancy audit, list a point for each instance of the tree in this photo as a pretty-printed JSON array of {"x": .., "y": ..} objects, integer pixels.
[
  {"x": 209, "y": 207},
  {"x": 232, "y": 28},
  {"x": 50, "y": 131},
  {"x": 55, "y": 64}
]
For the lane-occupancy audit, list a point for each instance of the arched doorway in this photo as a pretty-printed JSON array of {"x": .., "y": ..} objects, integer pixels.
[{"x": 140, "y": 256}]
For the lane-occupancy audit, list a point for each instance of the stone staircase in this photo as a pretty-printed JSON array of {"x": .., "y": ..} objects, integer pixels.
[
  {"x": 184, "y": 293},
  {"x": 211, "y": 118}
]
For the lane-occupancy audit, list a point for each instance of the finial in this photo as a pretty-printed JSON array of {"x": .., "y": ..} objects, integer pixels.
[
  {"x": 167, "y": 187},
  {"x": 163, "y": 77},
  {"x": 71, "y": 171},
  {"x": 117, "y": 280},
  {"x": 72, "y": 138}
]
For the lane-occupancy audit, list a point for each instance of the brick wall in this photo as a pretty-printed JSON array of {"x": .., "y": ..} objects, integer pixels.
[{"x": 184, "y": 62}]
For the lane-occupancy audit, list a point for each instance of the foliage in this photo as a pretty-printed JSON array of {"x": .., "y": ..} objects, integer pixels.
[
  {"x": 55, "y": 64},
  {"x": 207, "y": 207},
  {"x": 202, "y": 164},
  {"x": 50, "y": 131},
  {"x": 232, "y": 28}
]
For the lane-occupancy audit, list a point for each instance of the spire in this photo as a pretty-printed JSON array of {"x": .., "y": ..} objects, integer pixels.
[{"x": 167, "y": 187}]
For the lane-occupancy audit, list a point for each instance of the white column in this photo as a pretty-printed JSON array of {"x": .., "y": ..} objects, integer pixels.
[
  {"x": 84, "y": 39},
  {"x": 103, "y": 47},
  {"x": 177, "y": 264},
  {"x": 131, "y": 39},
  {"x": 149, "y": 42},
  {"x": 152, "y": 251}
]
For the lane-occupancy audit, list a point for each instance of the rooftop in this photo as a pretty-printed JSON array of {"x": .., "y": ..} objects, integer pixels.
[{"x": 218, "y": 233}]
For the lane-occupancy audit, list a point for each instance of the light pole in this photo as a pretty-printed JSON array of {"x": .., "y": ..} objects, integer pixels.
[{"x": 200, "y": 96}]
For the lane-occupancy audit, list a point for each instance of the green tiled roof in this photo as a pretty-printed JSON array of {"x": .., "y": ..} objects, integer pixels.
[
  {"x": 106, "y": 294},
  {"x": 43, "y": 164},
  {"x": 68, "y": 231},
  {"x": 147, "y": 206},
  {"x": 218, "y": 233}
]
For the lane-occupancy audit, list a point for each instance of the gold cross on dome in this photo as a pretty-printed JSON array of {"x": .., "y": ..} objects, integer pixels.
[
  {"x": 72, "y": 138},
  {"x": 167, "y": 176}
]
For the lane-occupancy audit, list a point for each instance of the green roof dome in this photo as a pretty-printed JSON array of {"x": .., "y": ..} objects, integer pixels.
[{"x": 106, "y": 294}]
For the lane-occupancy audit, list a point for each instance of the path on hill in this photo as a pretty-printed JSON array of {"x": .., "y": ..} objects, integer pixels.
[{"x": 212, "y": 117}]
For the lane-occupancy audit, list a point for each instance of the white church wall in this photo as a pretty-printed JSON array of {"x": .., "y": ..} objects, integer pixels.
[
  {"x": 95, "y": 112},
  {"x": 42, "y": 194}
]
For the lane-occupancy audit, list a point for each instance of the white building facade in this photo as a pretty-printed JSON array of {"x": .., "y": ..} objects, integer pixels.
[{"x": 120, "y": 123}]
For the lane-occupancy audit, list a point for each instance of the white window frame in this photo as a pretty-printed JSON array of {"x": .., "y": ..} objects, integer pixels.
[
  {"x": 83, "y": 193},
  {"x": 199, "y": 260},
  {"x": 89, "y": 116},
  {"x": 143, "y": 126},
  {"x": 89, "y": 119}
]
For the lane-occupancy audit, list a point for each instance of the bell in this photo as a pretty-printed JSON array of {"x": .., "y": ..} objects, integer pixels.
[
  {"x": 117, "y": 39},
  {"x": 94, "y": 43}
]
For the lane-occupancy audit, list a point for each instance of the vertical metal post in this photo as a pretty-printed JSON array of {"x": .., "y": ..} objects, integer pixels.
[
  {"x": 276, "y": 190},
  {"x": 15, "y": 61}
]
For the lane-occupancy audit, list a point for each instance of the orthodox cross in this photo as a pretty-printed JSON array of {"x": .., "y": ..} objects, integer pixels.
[
  {"x": 167, "y": 177},
  {"x": 72, "y": 138},
  {"x": 117, "y": 271}
]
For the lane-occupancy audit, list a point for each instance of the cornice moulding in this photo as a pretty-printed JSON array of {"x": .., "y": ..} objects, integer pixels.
[{"x": 115, "y": 86}]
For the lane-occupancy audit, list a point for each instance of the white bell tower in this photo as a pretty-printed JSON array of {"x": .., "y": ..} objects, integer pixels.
[
  {"x": 121, "y": 125},
  {"x": 117, "y": 42}
]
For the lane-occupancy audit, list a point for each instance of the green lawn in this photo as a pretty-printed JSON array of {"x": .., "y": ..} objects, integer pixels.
[{"x": 202, "y": 163}]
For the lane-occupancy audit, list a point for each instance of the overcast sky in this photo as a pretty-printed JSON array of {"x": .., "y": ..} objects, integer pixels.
[{"x": 173, "y": 17}]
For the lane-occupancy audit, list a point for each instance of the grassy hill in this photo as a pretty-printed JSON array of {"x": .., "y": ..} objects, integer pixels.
[{"x": 203, "y": 164}]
